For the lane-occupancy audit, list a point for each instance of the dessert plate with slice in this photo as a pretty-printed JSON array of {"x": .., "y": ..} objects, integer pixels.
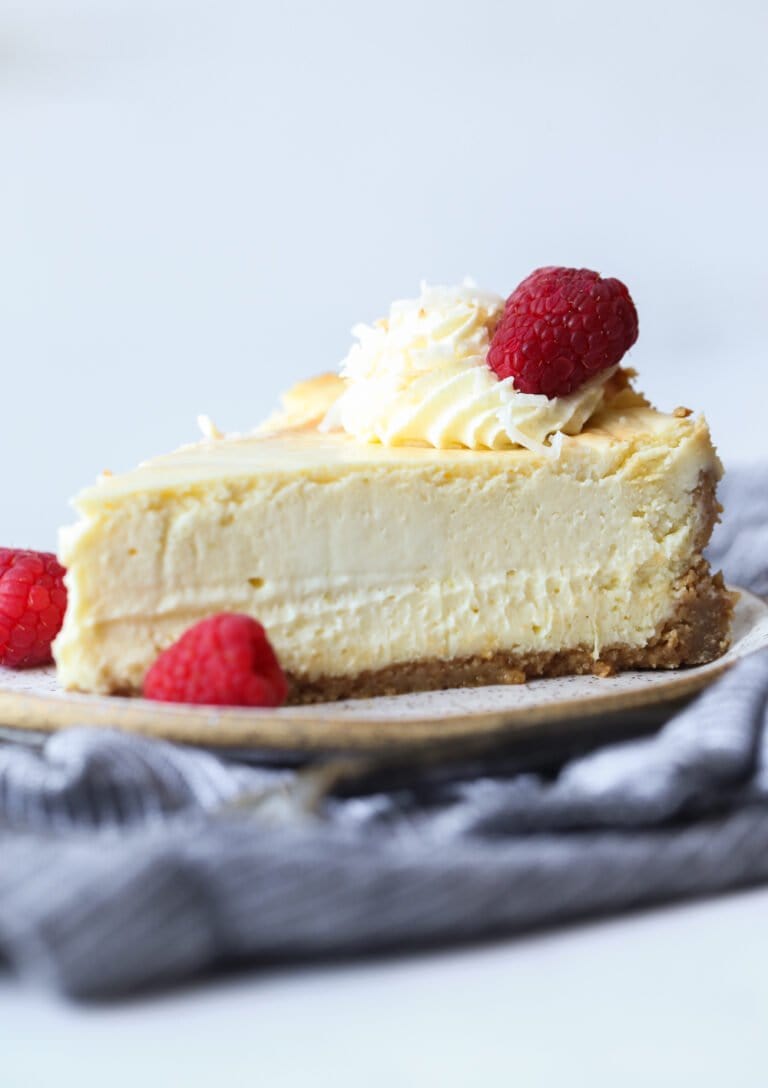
[
  {"x": 486, "y": 716},
  {"x": 481, "y": 499}
]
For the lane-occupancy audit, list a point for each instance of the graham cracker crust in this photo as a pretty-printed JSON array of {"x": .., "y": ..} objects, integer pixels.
[{"x": 697, "y": 631}]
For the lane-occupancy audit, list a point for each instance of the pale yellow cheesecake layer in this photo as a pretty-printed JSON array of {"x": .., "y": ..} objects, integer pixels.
[{"x": 358, "y": 556}]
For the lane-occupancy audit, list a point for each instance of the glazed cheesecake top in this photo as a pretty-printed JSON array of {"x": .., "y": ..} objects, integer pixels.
[
  {"x": 626, "y": 436},
  {"x": 420, "y": 386}
]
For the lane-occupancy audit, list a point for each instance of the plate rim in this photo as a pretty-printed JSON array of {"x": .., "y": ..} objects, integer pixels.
[{"x": 244, "y": 728}]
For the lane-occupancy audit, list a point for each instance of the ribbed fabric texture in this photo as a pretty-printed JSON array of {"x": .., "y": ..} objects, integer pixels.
[{"x": 127, "y": 863}]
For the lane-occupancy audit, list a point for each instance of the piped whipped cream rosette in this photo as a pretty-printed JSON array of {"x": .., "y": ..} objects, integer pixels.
[{"x": 422, "y": 376}]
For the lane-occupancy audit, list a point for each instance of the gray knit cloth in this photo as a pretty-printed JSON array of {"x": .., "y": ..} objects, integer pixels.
[{"x": 127, "y": 863}]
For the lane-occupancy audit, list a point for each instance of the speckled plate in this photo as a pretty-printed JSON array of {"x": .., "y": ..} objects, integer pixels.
[{"x": 32, "y": 700}]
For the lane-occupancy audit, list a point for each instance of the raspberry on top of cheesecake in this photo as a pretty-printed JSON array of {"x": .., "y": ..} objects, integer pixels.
[{"x": 478, "y": 497}]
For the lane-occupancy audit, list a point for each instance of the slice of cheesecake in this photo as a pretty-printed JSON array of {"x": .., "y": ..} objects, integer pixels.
[{"x": 388, "y": 568}]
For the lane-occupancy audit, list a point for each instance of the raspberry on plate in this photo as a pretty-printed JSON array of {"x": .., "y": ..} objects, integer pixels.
[
  {"x": 33, "y": 600},
  {"x": 225, "y": 660},
  {"x": 561, "y": 327}
]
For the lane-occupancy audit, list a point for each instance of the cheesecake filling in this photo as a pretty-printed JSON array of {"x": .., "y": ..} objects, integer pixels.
[{"x": 420, "y": 376}]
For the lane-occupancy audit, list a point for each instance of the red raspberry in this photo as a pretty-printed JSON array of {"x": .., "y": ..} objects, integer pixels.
[
  {"x": 32, "y": 605},
  {"x": 225, "y": 660},
  {"x": 559, "y": 328}
]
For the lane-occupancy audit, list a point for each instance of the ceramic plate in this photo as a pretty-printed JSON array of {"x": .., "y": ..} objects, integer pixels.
[{"x": 32, "y": 700}]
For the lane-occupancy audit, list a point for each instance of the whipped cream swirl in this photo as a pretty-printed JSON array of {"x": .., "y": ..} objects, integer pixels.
[{"x": 420, "y": 376}]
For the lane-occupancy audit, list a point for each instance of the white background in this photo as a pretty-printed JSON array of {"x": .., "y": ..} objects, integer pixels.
[{"x": 197, "y": 201}]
